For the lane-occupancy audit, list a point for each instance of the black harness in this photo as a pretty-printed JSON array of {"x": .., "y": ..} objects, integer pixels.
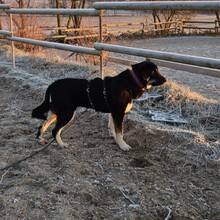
[{"x": 90, "y": 98}]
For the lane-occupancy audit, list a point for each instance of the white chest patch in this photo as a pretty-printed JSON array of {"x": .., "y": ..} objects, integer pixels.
[{"x": 129, "y": 106}]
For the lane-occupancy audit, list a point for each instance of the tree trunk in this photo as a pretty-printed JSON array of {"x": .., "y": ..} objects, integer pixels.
[
  {"x": 0, "y": 24},
  {"x": 76, "y": 19},
  {"x": 217, "y": 17},
  {"x": 22, "y": 20},
  {"x": 58, "y": 17},
  {"x": 155, "y": 20}
]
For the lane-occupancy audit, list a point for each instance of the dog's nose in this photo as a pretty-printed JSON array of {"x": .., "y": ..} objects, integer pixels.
[{"x": 163, "y": 80}]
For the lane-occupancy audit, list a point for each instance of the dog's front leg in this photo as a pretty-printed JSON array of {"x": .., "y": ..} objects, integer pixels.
[
  {"x": 118, "y": 124},
  {"x": 111, "y": 127}
]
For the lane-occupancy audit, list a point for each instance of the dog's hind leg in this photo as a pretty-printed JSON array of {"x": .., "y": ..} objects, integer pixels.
[
  {"x": 50, "y": 119},
  {"x": 118, "y": 124},
  {"x": 62, "y": 121}
]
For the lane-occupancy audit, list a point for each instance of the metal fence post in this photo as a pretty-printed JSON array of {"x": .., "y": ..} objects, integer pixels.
[
  {"x": 12, "y": 42},
  {"x": 101, "y": 41}
]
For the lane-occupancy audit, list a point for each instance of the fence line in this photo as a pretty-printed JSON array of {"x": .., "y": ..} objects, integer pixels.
[
  {"x": 53, "y": 45},
  {"x": 172, "y": 65},
  {"x": 215, "y": 27},
  {"x": 174, "y": 57},
  {"x": 137, "y": 27},
  {"x": 170, "y": 5},
  {"x": 99, "y": 47}
]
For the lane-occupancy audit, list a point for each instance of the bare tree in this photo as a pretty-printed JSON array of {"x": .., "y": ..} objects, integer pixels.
[
  {"x": 26, "y": 26},
  {"x": 73, "y": 21},
  {"x": 76, "y": 20},
  {"x": 166, "y": 17}
]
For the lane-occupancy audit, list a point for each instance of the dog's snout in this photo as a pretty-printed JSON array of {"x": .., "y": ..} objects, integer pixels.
[
  {"x": 157, "y": 79},
  {"x": 162, "y": 80}
]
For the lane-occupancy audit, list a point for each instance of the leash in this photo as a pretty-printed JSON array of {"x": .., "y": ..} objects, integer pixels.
[{"x": 44, "y": 148}]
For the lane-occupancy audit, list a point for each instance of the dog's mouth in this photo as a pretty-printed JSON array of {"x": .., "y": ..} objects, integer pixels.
[
  {"x": 148, "y": 86},
  {"x": 156, "y": 82}
]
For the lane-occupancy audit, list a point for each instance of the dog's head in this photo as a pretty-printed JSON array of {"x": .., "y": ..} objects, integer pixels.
[{"x": 148, "y": 73}]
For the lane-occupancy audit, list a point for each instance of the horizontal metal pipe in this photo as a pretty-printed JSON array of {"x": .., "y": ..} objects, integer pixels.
[
  {"x": 59, "y": 46},
  {"x": 85, "y": 12},
  {"x": 4, "y": 6},
  {"x": 5, "y": 33},
  {"x": 178, "y": 66},
  {"x": 160, "y": 5},
  {"x": 174, "y": 57}
]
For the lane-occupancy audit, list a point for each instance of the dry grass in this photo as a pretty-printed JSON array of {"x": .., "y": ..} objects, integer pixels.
[{"x": 203, "y": 114}]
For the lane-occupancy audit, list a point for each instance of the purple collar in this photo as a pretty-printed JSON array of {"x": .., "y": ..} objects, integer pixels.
[{"x": 137, "y": 80}]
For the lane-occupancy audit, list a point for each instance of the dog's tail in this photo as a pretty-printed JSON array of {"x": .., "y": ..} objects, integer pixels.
[{"x": 41, "y": 110}]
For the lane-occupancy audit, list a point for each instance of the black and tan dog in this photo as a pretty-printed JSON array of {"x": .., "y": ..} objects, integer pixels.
[{"x": 112, "y": 95}]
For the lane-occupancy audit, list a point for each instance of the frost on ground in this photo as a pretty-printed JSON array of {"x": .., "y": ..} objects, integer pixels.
[{"x": 172, "y": 171}]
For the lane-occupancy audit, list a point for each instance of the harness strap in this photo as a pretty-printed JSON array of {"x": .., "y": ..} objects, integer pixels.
[
  {"x": 88, "y": 93},
  {"x": 104, "y": 94}
]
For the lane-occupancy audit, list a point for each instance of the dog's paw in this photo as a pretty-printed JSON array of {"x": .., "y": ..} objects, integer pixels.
[
  {"x": 65, "y": 145},
  {"x": 40, "y": 141},
  {"x": 125, "y": 147}
]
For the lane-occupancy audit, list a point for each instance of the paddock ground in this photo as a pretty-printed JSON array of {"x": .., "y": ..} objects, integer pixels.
[{"x": 171, "y": 171}]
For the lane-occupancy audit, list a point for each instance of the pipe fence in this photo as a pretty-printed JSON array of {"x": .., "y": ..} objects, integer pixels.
[
  {"x": 160, "y": 5},
  {"x": 100, "y": 47},
  {"x": 174, "y": 57}
]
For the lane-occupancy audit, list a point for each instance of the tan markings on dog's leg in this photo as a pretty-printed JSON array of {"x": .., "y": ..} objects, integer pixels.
[
  {"x": 59, "y": 140},
  {"x": 74, "y": 113},
  {"x": 121, "y": 142},
  {"x": 129, "y": 106},
  {"x": 51, "y": 119},
  {"x": 58, "y": 137},
  {"x": 111, "y": 127}
]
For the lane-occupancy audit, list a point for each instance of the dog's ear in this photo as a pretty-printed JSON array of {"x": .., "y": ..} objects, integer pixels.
[{"x": 144, "y": 69}]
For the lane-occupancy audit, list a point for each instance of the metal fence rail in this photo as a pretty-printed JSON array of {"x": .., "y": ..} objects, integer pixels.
[
  {"x": 174, "y": 57},
  {"x": 99, "y": 47},
  {"x": 59, "y": 46},
  {"x": 5, "y": 33},
  {"x": 44, "y": 11},
  {"x": 159, "y": 5},
  {"x": 4, "y": 6}
]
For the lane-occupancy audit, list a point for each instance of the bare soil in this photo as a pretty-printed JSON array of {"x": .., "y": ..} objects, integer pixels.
[{"x": 170, "y": 173}]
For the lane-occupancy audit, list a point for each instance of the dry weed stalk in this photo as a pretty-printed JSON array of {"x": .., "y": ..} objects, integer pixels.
[{"x": 1, "y": 181}]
